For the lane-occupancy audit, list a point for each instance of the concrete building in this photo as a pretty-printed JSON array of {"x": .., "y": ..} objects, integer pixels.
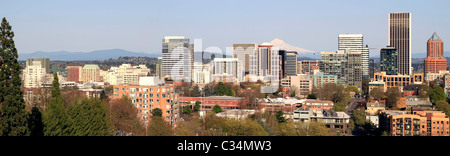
[
  {"x": 398, "y": 81},
  {"x": 373, "y": 107},
  {"x": 126, "y": 74},
  {"x": 345, "y": 65},
  {"x": 244, "y": 53},
  {"x": 301, "y": 85},
  {"x": 33, "y": 74},
  {"x": 336, "y": 121},
  {"x": 227, "y": 66},
  {"x": 177, "y": 58},
  {"x": 435, "y": 60},
  {"x": 290, "y": 63},
  {"x": 399, "y": 37},
  {"x": 355, "y": 42},
  {"x": 389, "y": 60},
  {"x": 414, "y": 123},
  {"x": 91, "y": 73},
  {"x": 307, "y": 67},
  {"x": 45, "y": 63}
]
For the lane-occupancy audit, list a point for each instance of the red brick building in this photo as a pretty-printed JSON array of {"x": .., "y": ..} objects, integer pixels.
[
  {"x": 74, "y": 73},
  {"x": 435, "y": 60},
  {"x": 208, "y": 103}
]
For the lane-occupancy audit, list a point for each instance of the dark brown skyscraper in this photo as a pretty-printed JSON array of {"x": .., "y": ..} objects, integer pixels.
[{"x": 400, "y": 38}]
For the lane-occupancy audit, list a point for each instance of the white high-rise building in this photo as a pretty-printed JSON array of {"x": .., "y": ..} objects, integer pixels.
[
  {"x": 33, "y": 74},
  {"x": 226, "y": 69},
  {"x": 177, "y": 58},
  {"x": 355, "y": 42}
]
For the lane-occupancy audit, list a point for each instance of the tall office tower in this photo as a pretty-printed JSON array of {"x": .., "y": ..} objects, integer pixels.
[
  {"x": 159, "y": 68},
  {"x": 243, "y": 52},
  {"x": 33, "y": 74},
  {"x": 226, "y": 70},
  {"x": 389, "y": 60},
  {"x": 74, "y": 73},
  {"x": 45, "y": 63},
  {"x": 290, "y": 65},
  {"x": 268, "y": 62},
  {"x": 345, "y": 65},
  {"x": 91, "y": 73},
  {"x": 400, "y": 38},
  {"x": 355, "y": 42},
  {"x": 435, "y": 60},
  {"x": 177, "y": 58}
]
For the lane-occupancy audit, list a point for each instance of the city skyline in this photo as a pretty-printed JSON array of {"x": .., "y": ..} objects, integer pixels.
[{"x": 81, "y": 26}]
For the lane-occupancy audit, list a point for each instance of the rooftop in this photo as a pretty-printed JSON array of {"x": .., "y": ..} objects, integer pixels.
[{"x": 435, "y": 37}]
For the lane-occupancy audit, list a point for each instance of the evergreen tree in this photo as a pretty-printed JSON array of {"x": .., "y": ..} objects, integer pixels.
[
  {"x": 90, "y": 118},
  {"x": 197, "y": 106},
  {"x": 13, "y": 117},
  {"x": 56, "y": 120},
  {"x": 157, "y": 112},
  {"x": 217, "y": 109},
  {"x": 35, "y": 122}
]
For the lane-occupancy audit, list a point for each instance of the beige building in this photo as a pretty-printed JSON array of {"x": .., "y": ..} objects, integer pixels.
[
  {"x": 33, "y": 74},
  {"x": 300, "y": 84},
  {"x": 126, "y": 74},
  {"x": 91, "y": 73},
  {"x": 375, "y": 106}
]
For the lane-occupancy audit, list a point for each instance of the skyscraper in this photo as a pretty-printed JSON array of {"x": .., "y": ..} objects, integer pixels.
[
  {"x": 177, "y": 58},
  {"x": 389, "y": 60},
  {"x": 435, "y": 60},
  {"x": 345, "y": 65},
  {"x": 399, "y": 36},
  {"x": 355, "y": 42},
  {"x": 290, "y": 65},
  {"x": 33, "y": 74}
]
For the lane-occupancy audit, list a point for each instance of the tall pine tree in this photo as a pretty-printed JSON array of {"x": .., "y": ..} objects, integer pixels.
[
  {"x": 56, "y": 121},
  {"x": 13, "y": 117},
  {"x": 90, "y": 118}
]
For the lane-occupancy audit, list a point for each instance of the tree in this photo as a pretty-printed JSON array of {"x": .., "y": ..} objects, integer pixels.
[
  {"x": 56, "y": 120},
  {"x": 197, "y": 106},
  {"x": 157, "y": 112},
  {"x": 90, "y": 118},
  {"x": 280, "y": 117},
  {"x": 377, "y": 93},
  {"x": 443, "y": 106},
  {"x": 35, "y": 124},
  {"x": 352, "y": 89},
  {"x": 13, "y": 117},
  {"x": 217, "y": 109},
  {"x": 312, "y": 96},
  {"x": 392, "y": 97},
  {"x": 187, "y": 109},
  {"x": 247, "y": 127},
  {"x": 437, "y": 94},
  {"x": 159, "y": 127},
  {"x": 124, "y": 117}
]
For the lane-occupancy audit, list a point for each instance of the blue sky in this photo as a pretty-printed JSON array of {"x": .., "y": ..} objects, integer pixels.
[{"x": 138, "y": 25}]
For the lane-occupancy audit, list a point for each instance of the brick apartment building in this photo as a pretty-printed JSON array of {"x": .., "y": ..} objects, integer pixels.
[
  {"x": 148, "y": 97},
  {"x": 208, "y": 103},
  {"x": 414, "y": 123}
]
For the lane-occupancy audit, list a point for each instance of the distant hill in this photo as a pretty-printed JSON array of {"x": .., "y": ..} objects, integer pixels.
[{"x": 85, "y": 56}]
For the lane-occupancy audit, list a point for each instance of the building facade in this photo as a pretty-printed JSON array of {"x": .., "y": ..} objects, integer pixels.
[
  {"x": 150, "y": 96},
  {"x": 208, "y": 103},
  {"x": 414, "y": 123},
  {"x": 399, "y": 35},
  {"x": 345, "y": 65},
  {"x": 435, "y": 60},
  {"x": 177, "y": 58},
  {"x": 74, "y": 73},
  {"x": 33, "y": 74},
  {"x": 355, "y": 42},
  {"x": 91, "y": 73},
  {"x": 290, "y": 63},
  {"x": 389, "y": 60}
]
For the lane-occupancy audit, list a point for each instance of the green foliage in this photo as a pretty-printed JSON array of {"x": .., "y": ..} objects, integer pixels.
[
  {"x": 217, "y": 109},
  {"x": 443, "y": 106},
  {"x": 392, "y": 97},
  {"x": 90, "y": 118},
  {"x": 187, "y": 110},
  {"x": 159, "y": 127},
  {"x": 352, "y": 89},
  {"x": 13, "y": 117},
  {"x": 197, "y": 106},
  {"x": 280, "y": 117},
  {"x": 56, "y": 120},
  {"x": 35, "y": 123},
  {"x": 437, "y": 94},
  {"x": 339, "y": 107},
  {"x": 157, "y": 112},
  {"x": 312, "y": 96},
  {"x": 223, "y": 89},
  {"x": 245, "y": 127}
]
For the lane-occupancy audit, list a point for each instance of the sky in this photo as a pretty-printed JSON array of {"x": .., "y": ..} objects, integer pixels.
[{"x": 140, "y": 25}]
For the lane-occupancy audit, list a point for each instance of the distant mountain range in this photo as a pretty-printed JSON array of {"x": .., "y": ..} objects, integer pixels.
[{"x": 84, "y": 56}]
